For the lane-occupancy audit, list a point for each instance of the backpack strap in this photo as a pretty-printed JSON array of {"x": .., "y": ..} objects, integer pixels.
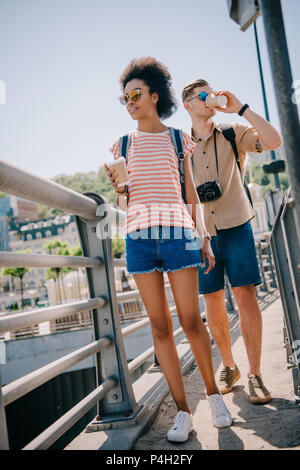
[
  {"x": 229, "y": 134},
  {"x": 124, "y": 144},
  {"x": 177, "y": 139}
]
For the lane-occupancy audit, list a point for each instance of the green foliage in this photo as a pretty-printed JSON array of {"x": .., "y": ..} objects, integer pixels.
[
  {"x": 92, "y": 181},
  {"x": 56, "y": 247},
  {"x": 76, "y": 250},
  {"x": 16, "y": 272},
  {"x": 118, "y": 247},
  {"x": 265, "y": 180}
]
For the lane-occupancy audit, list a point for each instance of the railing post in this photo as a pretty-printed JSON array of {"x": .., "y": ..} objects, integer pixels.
[
  {"x": 285, "y": 249},
  {"x": 4, "y": 443},
  {"x": 119, "y": 404},
  {"x": 270, "y": 258},
  {"x": 262, "y": 272}
]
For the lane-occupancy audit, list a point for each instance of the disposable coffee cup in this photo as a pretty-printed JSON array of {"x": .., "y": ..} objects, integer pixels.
[
  {"x": 214, "y": 101},
  {"x": 120, "y": 167}
]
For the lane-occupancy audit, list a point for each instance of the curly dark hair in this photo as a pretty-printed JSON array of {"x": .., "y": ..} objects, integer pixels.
[{"x": 157, "y": 77}]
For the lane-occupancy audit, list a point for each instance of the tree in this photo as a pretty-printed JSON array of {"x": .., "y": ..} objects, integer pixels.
[
  {"x": 57, "y": 247},
  {"x": 77, "y": 251},
  {"x": 18, "y": 273},
  {"x": 266, "y": 181},
  {"x": 92, "y": 181},
  {"x": 118, "y": 246}
]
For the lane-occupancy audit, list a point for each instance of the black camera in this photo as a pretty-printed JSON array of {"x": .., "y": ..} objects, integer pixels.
[
  {"x": 209, "y": 191},
  {"x": 277, "y": 166}
]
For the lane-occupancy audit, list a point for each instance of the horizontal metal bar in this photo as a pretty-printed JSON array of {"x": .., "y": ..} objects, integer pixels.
[
  {"x": 133, "y": 295},
  {"x": 129, "y": 330},
  {"x": 22, "y": 183},
  {"x": 119, "y": 263},
  {"x": 57, "y": 429},
  {"x": 138, "y": 361},
  {"x": 17, "y": 321},
  {"x": 29, "y": 382},
  {"x": 28, "y": 260}
]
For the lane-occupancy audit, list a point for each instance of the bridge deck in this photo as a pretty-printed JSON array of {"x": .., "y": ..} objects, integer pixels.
[
  {"x": 275, "y": 425},
  {"x": 272, "y": 426}
]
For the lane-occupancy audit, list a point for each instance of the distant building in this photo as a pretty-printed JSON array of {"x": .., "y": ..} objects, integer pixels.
[
  {"x": 33, "y": 235},
  {"x": 14, "y": 210}
]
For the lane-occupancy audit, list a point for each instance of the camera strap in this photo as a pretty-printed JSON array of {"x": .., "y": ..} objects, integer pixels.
[{"x": 216, "y": 152}]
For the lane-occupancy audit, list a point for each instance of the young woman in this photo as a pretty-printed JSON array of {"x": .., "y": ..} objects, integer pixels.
[{"x": 160, "y": 234}]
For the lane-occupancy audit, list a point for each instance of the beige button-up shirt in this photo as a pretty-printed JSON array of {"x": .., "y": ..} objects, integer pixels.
[{"x": 233, "y": 207}]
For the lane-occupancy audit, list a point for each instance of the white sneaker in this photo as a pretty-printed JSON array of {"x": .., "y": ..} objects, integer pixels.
[
  {"x": 220, "y": 414},
  {"x": 183, "y": 425}
]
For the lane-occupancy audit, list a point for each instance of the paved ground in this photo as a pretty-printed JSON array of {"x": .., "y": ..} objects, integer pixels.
[{"x": 272, "y": 426}]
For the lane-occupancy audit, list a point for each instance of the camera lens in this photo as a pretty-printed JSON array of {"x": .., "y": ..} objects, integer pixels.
[{"x": 210, "y": 195}]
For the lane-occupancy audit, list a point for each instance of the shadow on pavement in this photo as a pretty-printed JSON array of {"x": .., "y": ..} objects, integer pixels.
[{"x": 277, "y": 423}]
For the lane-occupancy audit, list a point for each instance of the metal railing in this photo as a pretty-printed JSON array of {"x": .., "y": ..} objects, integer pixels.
[
  {"x": 286, "y": 252},
  {"x": 114, "y": 394}
]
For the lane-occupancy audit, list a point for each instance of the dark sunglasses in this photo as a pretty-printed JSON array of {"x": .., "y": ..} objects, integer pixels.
[{"x": 203, "y": 95}]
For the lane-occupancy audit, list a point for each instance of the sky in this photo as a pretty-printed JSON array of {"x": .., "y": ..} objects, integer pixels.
[{"x": 61, "y": 61}]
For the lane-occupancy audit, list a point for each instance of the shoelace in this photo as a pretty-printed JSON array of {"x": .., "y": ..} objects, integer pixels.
[
  {"x": 180, "y": 419},
  {"x": 223, "y": 374},
  {"x": 219, "y": 406},
  {"x": 254, "y": 381}
]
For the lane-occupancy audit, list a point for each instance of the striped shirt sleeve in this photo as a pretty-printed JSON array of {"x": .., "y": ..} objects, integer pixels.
[
  {"x": 114, "y": 149},
  {"x": 188, "y": 143}
]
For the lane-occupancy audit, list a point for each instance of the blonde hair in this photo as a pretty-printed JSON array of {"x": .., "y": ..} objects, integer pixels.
[{"x": 188, "y": 89}]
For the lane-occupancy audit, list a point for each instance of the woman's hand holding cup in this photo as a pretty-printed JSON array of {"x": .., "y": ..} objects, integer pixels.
[
  {"x": 117, "y": 171},
  {"x": 113, "y": 175}
]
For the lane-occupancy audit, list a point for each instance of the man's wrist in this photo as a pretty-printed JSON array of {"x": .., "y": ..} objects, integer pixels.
[{"x": 243, "y": 109}]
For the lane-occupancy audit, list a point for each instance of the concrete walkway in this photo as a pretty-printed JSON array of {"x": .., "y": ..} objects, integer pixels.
[{"x": 275, "y": 425}]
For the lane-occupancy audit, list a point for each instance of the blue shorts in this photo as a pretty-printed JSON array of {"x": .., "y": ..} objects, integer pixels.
[
  {"x": 235, "y": 254},
  {"x": 162, "y": 248}
]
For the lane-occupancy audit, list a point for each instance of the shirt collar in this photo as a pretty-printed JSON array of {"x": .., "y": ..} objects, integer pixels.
[{"x": 216, "y": 126}]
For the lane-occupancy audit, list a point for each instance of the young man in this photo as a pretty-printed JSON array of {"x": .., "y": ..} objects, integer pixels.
[{"x": 227, "y": 219}]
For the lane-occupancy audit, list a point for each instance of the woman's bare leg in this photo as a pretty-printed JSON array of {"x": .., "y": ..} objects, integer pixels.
[
  {"x": 152, "y": 291},
  {"x": 184, "y": 285}
]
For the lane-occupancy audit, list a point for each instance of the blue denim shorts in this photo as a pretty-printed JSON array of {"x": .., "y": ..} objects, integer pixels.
[
  {"x": 235, "y": 254},
  {"x": 162, "y": 248}
]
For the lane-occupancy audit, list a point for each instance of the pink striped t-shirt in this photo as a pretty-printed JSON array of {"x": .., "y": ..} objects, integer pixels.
[{"x": 155, "y": 196}]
